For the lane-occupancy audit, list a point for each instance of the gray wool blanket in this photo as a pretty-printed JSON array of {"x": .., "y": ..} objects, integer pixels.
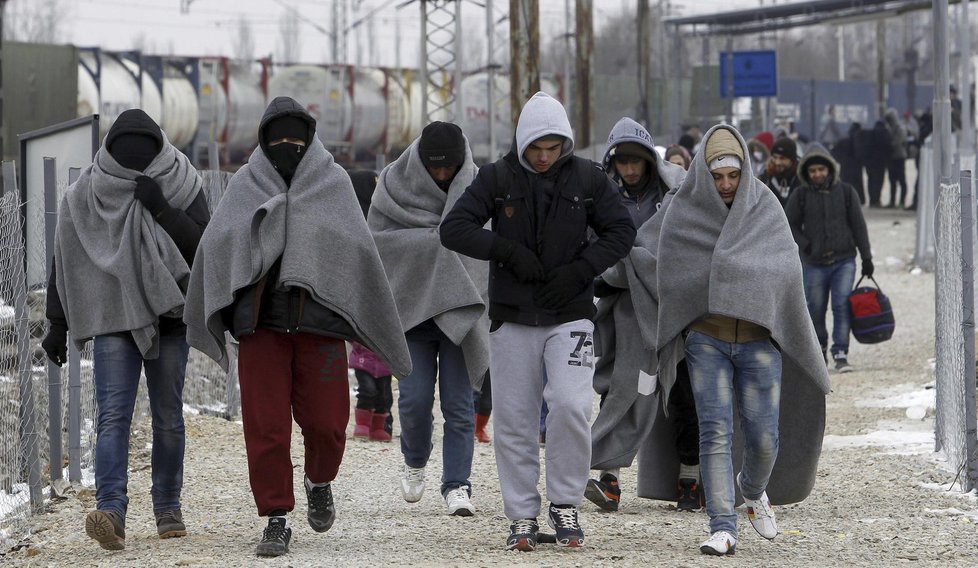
[
  {"x": 117, "y": 270},
  {"x": 317, "y": 228},
  {"x": 626, "y": 416},
  {"x": 699, "y": 257},
  {"x": 427, "y": 280}
]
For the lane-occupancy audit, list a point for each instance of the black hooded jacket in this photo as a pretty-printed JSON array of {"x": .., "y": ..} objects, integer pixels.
[{"x": 826, "y": 221}]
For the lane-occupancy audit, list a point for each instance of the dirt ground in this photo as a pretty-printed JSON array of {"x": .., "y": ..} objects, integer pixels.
[{"x": 882, "y": 496}]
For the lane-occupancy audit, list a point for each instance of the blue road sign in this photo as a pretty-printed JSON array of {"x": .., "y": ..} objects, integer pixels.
[{"x": 755, "y": 74}]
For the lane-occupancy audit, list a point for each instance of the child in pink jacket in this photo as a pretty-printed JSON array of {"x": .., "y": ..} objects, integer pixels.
[{"x": 374, "y": 396}]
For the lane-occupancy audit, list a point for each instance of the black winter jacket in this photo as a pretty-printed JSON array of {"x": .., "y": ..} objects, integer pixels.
[
  {"x": 550, "y": 215},
  {"x": 827, "y": 222}
]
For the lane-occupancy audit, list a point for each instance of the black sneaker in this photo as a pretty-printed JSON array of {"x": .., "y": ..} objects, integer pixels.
[
  {"x": 842, "y": 363},
  {"x": 169, "y": 524},
  {"x": 604, "y": 493},
  {"x": 275, "y": 539},
  {"x": 321, "y": 512},
  {"x": 563, "y": 519},
  {"x": 522, "y": 535},
  {"x": 108, "y": 528},
  {"x": 690, "y": 496}
]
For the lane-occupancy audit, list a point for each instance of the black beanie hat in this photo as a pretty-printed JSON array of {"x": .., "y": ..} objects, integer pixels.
[
  {"x": 134, "y": 139},
  {"x": 442, "y": 145},
  {"x": 288, "y": 126},
  {"x": 786, "y": 147}
]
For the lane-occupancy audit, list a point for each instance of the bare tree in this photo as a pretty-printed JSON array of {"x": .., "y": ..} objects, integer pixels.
[
  {"x": 243, "y": 41},
  {"x": 289, "y": 46},
  {"x": 39, "y": 21}
]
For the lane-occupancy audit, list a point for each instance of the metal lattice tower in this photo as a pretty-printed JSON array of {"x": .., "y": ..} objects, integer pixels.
[
  {"x": 497, "y": 50},
  {"x": 440, "y": 59}
]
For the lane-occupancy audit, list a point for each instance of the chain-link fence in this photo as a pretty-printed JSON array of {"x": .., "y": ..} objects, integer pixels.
[
  {"x": 44, "y": 453},
  {"x": 955, "y": 342}
]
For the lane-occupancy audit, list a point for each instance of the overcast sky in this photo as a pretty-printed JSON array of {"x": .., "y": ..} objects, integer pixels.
[{"x": 211, "y": 26}]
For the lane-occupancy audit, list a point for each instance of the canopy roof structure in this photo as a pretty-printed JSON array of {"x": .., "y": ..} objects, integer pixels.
[{"x": 795, "y": 14}]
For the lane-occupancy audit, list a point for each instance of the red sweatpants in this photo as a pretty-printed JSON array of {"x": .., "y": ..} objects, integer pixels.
[{"x": 284, "y": 375}]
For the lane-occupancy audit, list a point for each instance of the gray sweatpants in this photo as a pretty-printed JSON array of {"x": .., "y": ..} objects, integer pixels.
[{"x": 529, "y": 364}]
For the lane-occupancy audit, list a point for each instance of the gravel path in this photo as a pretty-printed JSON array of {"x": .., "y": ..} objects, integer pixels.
[{"x": 875, "y": 503}]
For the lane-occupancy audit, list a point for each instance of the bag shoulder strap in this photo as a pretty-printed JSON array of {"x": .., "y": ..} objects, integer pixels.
[{"x": 872, "y": 279}]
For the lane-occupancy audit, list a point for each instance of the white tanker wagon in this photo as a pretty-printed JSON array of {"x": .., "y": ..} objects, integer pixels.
[{"x": 361, "y": 113}]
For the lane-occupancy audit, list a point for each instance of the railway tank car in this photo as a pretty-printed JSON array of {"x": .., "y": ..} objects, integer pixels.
[{"x": 365, "y": 116}]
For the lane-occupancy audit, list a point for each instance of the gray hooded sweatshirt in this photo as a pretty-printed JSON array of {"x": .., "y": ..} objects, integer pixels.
[{"x": 541, "y": 116}]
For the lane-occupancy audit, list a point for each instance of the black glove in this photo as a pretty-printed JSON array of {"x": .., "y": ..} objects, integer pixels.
[
  {"x": 521, "y": 260},
  {"x": 55, "y": 344},
  {"x": 868, "y": 267},
  {"x": 602, "y": 289},
  {"x": 563, "y": 284},
  {"x": 149, "y": 193}
]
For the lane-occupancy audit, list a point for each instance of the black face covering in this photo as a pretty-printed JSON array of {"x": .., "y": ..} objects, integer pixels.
[
  {"x": 133, "y": 151},
  {"x": 286, "y": 157}
]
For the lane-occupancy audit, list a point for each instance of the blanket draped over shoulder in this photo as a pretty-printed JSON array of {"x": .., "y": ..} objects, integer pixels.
[
  {"x": 626, "y": 416},
  {"x": 699, "y": 257},
  {"x": 316, "y": 227},
  {"x": 428, "y": 280},
  {"x": 117, "y": 269}
]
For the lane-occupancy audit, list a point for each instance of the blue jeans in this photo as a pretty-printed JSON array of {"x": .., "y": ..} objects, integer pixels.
[
  {"x": 718, "y": 372},
  {"x": 117, "y": 370},
  {"x": 821, "y": 280},
  {"x": 436, "y": 359}
]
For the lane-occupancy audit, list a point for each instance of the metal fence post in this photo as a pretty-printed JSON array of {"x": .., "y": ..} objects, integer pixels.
[
  {"x": 54, "y": 371},
  {"x": 970, "y": 480},
  {"x": 74, "y": 393}
]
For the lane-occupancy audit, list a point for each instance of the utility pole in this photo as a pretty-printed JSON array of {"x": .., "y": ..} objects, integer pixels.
[
  {"x": 880, "y": 67},
  {"x": 967, "y": 148},
  {"x": 3, "y": 5},
  {"x": 568, "y": 51},
  {"x": 336, "y": 31},
  {"x": 524, "y": 37},
  {"x": 585, "y": 58},
  {"x": 644, "y": 63}
]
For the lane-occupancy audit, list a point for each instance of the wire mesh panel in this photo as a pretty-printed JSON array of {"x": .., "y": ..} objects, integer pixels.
[
  {"x": 950, "y": 424},
  {"x": 14, "y": 466}
]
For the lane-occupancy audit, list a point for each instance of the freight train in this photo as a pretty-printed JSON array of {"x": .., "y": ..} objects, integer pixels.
[{"x": 364, "y": 115}]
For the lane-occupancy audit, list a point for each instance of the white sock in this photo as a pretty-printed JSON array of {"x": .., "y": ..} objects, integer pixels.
[
  {"x": 613, "y": 472},
  {"x": 689, "y": 472},
  {"x": 311, "y": 485},
  {"x": 285, "y": 519}
]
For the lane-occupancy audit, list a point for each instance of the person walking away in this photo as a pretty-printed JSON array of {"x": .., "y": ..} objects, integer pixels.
[
  {"x": 441, "y": 302},
  {"x": 896, "y": 168},
  {"x": 849, "y": 158},
  {"x": 781, "y": 174},
  {"x": 878, "y": 147},
  {"x": 541, "y": 200},
  {"x": 287, "y": 266},
  {"x": 716, "y": 278},
  {"x": 828, "y": 226},
  {"x": 625, "y": 416},
  {"x": 126, "y": 236}
]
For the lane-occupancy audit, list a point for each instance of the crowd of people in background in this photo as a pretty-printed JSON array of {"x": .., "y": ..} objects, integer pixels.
[{"x": 670, "y": 281}]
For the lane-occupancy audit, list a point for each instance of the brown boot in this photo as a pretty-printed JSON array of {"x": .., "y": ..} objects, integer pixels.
[
  {"x": 377, "y": 430},
  {"x": 481, "y": 421},
  {"x": 363, "y": 418},
  {"x": 107, "y": 528}
]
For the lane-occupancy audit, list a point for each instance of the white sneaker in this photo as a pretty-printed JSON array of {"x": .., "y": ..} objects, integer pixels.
[
  {"x": 720, "y": 543},
  {"x": 412, "y": 483},
  {"x": 760, "y": 514},
  {"x": 458, "y": 502}
]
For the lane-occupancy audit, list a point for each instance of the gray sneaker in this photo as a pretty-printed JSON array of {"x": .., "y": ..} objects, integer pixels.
[
  {"x": 169, "y": 524},
  {"x": 842, "y": 363}
]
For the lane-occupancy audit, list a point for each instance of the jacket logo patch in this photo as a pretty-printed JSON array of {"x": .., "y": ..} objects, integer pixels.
[{"x": 509, "y": 211}]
